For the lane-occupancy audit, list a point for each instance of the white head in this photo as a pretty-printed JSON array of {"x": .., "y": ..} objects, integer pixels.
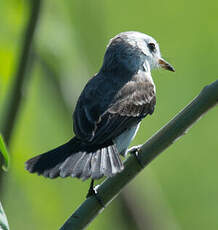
[{"x": 133, "y": 51}]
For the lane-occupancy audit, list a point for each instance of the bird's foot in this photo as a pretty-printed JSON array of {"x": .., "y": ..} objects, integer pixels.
[
  {"x": 93, "y": 192},
  {"x": 135, "y": 151}
]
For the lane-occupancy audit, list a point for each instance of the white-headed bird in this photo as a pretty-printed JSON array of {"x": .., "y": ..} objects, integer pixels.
[{"x": 108, "y": 111}]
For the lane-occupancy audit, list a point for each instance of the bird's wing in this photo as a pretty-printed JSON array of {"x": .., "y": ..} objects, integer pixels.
[{"x": 100, "y": 119}]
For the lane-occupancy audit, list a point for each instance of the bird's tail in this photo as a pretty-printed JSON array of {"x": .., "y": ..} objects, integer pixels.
[{"x": 71, "y": 159}]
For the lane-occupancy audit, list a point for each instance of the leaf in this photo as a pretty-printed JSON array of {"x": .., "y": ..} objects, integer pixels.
[
  {"x": 4, "y": 153},
  {"x": 3, "y": 219}
]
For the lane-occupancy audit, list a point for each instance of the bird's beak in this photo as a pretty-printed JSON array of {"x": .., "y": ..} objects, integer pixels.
[{"x": 165, "y": 65}]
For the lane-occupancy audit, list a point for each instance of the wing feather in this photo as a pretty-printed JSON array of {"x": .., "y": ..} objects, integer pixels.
[{"x": 105, "y": 109}]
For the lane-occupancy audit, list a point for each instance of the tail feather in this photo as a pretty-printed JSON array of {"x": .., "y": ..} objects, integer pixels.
[
  {"x": 66, "y": 169},
  {"x": 107, "y": 170},
  {"x": 114, "y": 168},
  {"x": 117, "y": 160},
  {"x": 103, "y": 160},
  {"x": 96, "y": 164},
  {"x": 84, "y": 164},
  {"x": 55, "y": 172},
  {"x": 72, "y": 159},
  {"x": 86, "y": 172},
  {"x": 48, "y": 163},
  {"x": 77, "y": 168}
]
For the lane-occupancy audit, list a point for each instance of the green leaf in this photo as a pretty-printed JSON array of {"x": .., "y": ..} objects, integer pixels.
[
  {"x": 3, "y": 219},
  {"x": 4, "y": 153}
]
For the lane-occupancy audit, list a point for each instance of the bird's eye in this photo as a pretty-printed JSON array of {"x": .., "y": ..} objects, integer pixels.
[{"x": 151, "y": 47}]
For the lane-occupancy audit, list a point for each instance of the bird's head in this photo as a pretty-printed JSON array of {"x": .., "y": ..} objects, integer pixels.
[{"x": 132, "y": 51}]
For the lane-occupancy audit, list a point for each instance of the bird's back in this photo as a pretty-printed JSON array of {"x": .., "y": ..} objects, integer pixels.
[{"x": 110, "y": 104}]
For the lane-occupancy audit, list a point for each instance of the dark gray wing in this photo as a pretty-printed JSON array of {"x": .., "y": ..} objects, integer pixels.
[{"x": 106, "y": 108}]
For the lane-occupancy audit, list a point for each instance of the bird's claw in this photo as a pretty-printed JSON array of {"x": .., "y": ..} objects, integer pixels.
[
  {"x": 93, "y": 192},
  {"x": 135, "y": 151}
]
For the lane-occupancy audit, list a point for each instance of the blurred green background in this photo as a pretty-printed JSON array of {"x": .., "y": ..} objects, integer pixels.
[{"x": 179, "y": 190}]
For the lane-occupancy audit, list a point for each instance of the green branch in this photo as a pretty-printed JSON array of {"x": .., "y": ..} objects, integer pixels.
[
  {"x": 14, "y": 101},
  {"x": 166, "y": 136},
  {"x": 15, "y": 98},
  {"x": 3, "y": 154}
]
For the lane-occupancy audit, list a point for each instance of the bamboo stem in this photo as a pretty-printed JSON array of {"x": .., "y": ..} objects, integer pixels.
[{"x": 166, "y": 136}]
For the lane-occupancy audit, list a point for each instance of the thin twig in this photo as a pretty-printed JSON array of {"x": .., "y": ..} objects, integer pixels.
[
  {"x": 15, "y": 98},
  {"x": 14, "y": 102},
  {"x": 166, "y": 136}
]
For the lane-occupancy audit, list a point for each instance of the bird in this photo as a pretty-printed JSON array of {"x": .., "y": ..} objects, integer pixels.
[{"x": 108, "y": 112}]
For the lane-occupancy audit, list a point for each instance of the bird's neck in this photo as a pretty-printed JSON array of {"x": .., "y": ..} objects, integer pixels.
[{"x": 122, "y": 60}]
